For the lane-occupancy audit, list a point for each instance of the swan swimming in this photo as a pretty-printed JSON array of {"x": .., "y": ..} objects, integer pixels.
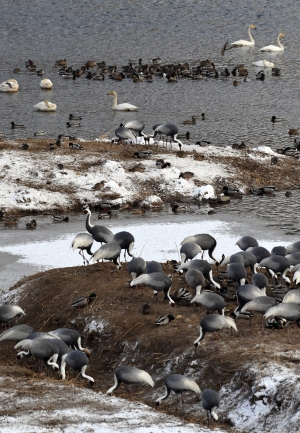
[
  {"x": 46, "y": 84},
  {"x": 263, "y": 64},
  {"x": 275, "y": 48},
  {"x": 121, "y": 107},
  {"x": 10, "y": 85},
  {"x": 244, "y": 43},
  {"x": 45, "y": 106}
]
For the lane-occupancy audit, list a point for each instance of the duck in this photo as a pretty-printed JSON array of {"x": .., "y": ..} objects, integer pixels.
[
  {"x": 46, "y": 84},
  {"x": 99, "y": 77},
  {"x": 274, "y": 48},
  {"x": 164, "y": 320},
  {"x": 90, "y": 64},
  {"x": 179, "y": 208},
  {"x": 244, "y": 43},
  {"x": 231, "y": 191},
  {"x": 16, "y": 125},
  {"x": 106, "y": 215},
  {"x": 45, "y": 106},
  {"x": 75, "y": 146},
  {"x": 61, "y": 62},
  {"x": 157, "y": 61},
  {"x": 39, "y": 133},
  {"x": 293, "y": 131},
  {"x": 186, "y": 175},
  {"x": 73, "y": 125},
  {"x": 190, "y": 122},
  {"x": 25, "y": 146},
  {"x": 263, "y": 64},
  {"x": 40, "y": 72},
  {"x": 260, "y": 76},
  {"x": 31, "y": 224},
  {"x": 83, "y": 301},
  {"x": 59, "y": 218},
  {"x": 142, "y": 154},
  {"x": 16, "y": 70},
  {"x": 74, "y": 117},
  {"x": 121, "y": 107},
  {"x": 275, "y": 72},
  {"x": 275, "y": 119},
  {"x": 9, "y": 85}
]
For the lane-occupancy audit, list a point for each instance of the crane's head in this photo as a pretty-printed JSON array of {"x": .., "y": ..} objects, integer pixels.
[{"x": 85, "y": 208}]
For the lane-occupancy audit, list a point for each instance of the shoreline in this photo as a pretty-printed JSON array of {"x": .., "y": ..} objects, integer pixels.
[{"x": 42, "y": 181}]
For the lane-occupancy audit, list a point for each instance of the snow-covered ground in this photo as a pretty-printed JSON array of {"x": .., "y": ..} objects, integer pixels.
[
  {"x": 55, "y": 408},
  {"x": 26, "y": 176}
]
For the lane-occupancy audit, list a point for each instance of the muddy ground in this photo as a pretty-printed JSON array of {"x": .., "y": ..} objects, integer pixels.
[
  {"x": 127, "y": 337},
  {"x": 244, "y": 169}
]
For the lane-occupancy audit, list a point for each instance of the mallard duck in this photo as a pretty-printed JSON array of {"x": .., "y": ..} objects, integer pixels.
[
  {"x": 164, "y": 320},
  {"x": 90, "y": 64},
  {"x": 16, "y": 70},
  {"x": 61, "y": 62},
  {"x": 25, "y": 146},
  {"x": 275, "y": 72},
  {"x": 186, "y": 175},
  {"x": 11, "y": 222},
  {"x": 106, "y": 215},
  {"x": 231, "y": 191},
  {"x": 75, "y": 146},
  {"x": 275, "y": 119},
  {"x": 142, "y": 154},
  {"x": 59, "y": 218},
  {"x": 190, "y": 122},
  {"x": 84, "y": 301},
  {"x": 45, "y": 106},
  {"x": 16, "y": 125},
  {"x": 31, "y": 224},
  {"x": 293, "y": 131},
  {"x": 260, "y": 76},
  {"x": 73, "y": 125},
  {"x": 288, "y": 194},
  {"x": 179, "y": 208},
  {"x": 39, "y": 133},
  {"x": 74, "y": 117}
]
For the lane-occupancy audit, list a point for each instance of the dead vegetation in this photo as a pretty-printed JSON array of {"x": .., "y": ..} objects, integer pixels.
[{"x": 117, "y": 332}]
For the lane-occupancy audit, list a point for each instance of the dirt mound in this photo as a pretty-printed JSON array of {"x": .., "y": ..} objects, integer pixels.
[{"x": 117, "y": 332}]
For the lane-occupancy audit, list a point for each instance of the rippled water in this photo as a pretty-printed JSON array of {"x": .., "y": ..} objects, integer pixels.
[{"x": 182, "y": 31}]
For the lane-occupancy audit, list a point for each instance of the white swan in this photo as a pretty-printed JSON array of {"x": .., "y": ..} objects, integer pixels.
[
  {"x": 45, "y": 106},
  {"x": 122, "y": 107},
  {"x": 10, "y": 85},
  {"x": 274, "y": 48},
  {"x": 242, "y": 42},
  {"x": 263, "y": 64},
  {"x": 46, "y": 84}
]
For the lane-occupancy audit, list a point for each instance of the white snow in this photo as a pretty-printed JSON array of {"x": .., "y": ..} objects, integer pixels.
[{"x": 84, "y": 411}]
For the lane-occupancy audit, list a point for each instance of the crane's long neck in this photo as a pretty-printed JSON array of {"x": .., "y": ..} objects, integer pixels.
[
  {"x": 216, "y": 285},
  {"x": 175, "y": 140},
  {"x": 88, "y": 224},
  {"x": 279, "y": 43},
  {"x": 115, "y": 386},
  {"x": 211, "y": 254},
  {"x": 250, "y": 36},
  {"x": 201, "y": 336},
  {"x": 85, "y": 375},
  {"x": 63, "y": 367},
  {"x": 164, "y": 397}
]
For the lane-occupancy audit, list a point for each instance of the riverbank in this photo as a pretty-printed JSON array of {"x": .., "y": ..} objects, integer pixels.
[
  {"x": 250, "y": 369},
  {"x": 44, "y": 180}
]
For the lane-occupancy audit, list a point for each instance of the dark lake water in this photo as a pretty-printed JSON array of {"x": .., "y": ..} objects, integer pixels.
[{"x": 45, "y": 31}]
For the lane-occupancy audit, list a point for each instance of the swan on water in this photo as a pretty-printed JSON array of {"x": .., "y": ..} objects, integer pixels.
[
  {"x": 244, "y": 43},
  {"x": 263, "y": 64},
  {"x": 121, "y": 107},
  {"x": 46, "y": 84},
  {"x": 10, "y": 85},
  {"x": 275, "y": 48},
  {"x": 45, "y": 106}
]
